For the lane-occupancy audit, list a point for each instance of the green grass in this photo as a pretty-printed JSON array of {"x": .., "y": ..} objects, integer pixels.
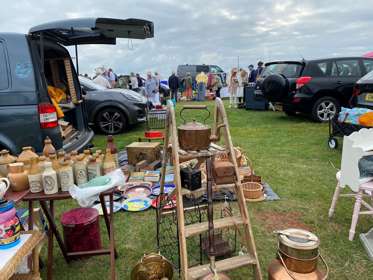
[{"x": 291, "y": 154}]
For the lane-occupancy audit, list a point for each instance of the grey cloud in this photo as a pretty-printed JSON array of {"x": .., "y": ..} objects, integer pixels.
[{"x": 199, "y": 31}]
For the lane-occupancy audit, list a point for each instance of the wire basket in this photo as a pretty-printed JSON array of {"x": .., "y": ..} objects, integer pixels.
[{"x": 156, "y": 119}]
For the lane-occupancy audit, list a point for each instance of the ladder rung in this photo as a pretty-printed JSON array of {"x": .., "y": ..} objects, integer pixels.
[
  {"x": 203, "y": 189},
  {"x": 200, "y": 271},
  {"x": 199, "y": 228}
]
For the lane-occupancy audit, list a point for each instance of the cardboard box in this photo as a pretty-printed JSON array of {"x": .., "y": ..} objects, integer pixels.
[{"x": 139, "y": 151}]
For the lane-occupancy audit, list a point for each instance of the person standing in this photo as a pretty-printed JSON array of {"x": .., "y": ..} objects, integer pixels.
[
  {"x": 217, "y": 84},
  {"x": 100, "y": 78},
  {"x": 111, "y": 77},
  {"x": 243, "y": 80},
  {"x": 201, "y": 80},
  {"x": 259, "y": 70},
  {"x": 140, "y": 83},
  {"x": 188, "y": 86},
  {"x": 134, "y": 83},
  {"x": 251, "y": 74},
  {"x": 151, "y": 92},
  {"x": 173, "y": 83},
  {"x": 232, "y": 88}
]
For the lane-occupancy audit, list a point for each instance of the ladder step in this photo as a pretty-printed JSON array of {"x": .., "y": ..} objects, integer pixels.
[
  {"x": 200, "y": 271},
  {"x": 199, "y": 228}
]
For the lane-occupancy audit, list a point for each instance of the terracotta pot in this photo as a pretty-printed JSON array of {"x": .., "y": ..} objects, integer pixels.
[
  {"x": 26, "y": 156},
  {"x": 5, "y": 159},
  {"x": 18, "y": 177}
]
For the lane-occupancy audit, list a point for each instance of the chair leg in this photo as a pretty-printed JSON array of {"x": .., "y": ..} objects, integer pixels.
[
  {"x": 335, "y": 199},
  {"x": 355, "y": 214}
]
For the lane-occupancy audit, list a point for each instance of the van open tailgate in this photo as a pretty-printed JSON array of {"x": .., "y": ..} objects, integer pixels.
[{"x": 94, "y": 30}]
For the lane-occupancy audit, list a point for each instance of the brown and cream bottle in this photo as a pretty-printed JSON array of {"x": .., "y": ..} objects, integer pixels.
[
  {"x": 34, "y": 177},
  {"x": 49, "y": 177}
]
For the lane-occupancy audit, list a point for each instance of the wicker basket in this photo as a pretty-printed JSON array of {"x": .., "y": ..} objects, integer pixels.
[{"x": 252, "y": 190}]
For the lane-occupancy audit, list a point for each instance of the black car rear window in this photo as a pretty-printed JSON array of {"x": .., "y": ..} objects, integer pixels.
[
  {"x": 316, "y": 69},
  {"x": 289, "y": 70}
]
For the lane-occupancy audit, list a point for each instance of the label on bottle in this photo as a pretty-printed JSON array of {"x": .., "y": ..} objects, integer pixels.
[
  {"x": 35, "y": 182},
  {"x": 50, "y": 184},
  {"x": 66, "y": 179},
  {"x": 81, "y": 176}
]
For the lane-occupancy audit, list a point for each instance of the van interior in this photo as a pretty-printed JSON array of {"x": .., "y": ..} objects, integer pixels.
[{"x": 63, "y": 89}]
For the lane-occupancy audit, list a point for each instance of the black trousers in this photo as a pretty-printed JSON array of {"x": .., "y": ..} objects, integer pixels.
[{"x": 174, "y": 94}]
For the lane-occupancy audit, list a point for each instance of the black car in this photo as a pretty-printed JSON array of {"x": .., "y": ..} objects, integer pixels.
[
  {"x": 315, "y": 87},
  {"x": 111, "y": 111},
  {"x": 364, "y": 91}
]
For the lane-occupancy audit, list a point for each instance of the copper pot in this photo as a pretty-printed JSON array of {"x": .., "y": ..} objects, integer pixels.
[
  {"x": 152, "y": 267},
  {"x": 276, "y": 271},
  {"x": 194, "y": 136},
  {"x": 299, "y": 249}
]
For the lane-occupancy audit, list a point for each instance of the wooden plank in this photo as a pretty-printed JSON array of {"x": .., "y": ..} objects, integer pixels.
[
  {"x": 198, "y": 228},
  {"x": 200, "y": 271},
  {"x": 70, "y": 80}
]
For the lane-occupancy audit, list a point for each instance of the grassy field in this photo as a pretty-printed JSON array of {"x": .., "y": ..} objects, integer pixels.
[{"x": 292, "y": 156}]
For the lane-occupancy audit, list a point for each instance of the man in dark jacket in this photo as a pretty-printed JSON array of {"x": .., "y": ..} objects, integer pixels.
[
  {"x": 140, "y": 83},
  {"x": 173, "y": 83}
]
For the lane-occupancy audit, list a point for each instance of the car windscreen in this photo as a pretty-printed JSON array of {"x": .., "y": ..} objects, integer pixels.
[
  {"x": 90, "y": 84},
  {"x": 289, "y": 70},
  {"x": 367, "y": 79}
]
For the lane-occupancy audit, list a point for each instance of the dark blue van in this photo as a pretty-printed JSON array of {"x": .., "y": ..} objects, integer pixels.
[{"x": 30, "y": 63}]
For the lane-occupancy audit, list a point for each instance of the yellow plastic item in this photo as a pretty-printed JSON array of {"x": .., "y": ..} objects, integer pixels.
[
  {"x": 366, "y": 119},
  {"x": 56, "y": 95}
]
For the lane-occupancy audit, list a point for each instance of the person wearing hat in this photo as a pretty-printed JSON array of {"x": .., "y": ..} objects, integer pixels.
[
  {"x": 100, "y": 77},
  {"x": 259, "y": 70},
  {"x": 232, "y": 88}
]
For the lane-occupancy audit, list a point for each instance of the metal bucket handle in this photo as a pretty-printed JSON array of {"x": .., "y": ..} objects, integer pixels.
[
  {"x": 194, "y": 107},
  {"x": 291, "y": 275}
]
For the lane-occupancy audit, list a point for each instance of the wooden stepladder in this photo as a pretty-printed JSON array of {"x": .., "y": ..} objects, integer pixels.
[{"x": 172, "y": 152}]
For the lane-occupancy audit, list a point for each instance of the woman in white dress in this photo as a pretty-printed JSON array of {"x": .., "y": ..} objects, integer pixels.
[{"x": 232, "y": 88}]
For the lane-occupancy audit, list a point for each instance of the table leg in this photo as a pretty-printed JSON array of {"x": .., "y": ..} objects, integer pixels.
[
  {"x": 31, "y": 215},
  {"x": 112, "y": 242},
  {"x": 106, "y": 217},
  {"x": 50, "y": 245},
  {"x": 53, "y": 228}
]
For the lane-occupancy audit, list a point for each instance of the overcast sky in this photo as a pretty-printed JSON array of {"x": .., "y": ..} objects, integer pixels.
[{"x": 210, "y": 32}]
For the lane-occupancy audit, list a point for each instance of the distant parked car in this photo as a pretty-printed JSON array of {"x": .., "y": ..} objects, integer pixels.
[
  {"x": 111, "y": 111},
  {"x": 182, "y": 71},
  {"x": 316, "y": 87}
]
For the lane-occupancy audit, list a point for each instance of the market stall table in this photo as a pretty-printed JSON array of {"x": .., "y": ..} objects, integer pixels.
[{"x": 42, "y": 198}]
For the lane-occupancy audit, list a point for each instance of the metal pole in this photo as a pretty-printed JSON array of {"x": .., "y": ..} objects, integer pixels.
[{"x": 76, "y": 59}]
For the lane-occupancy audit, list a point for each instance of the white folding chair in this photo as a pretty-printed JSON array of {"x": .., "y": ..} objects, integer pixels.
[{"x": 355, "y": 146}]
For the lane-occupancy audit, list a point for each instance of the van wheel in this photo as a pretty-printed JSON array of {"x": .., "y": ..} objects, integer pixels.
[
  {"x": 111, "y": 120},
  {"x": 325, "y": 108}
]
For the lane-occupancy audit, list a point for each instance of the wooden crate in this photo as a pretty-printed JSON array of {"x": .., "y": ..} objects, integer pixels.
[{"x": 138, "y": 151}]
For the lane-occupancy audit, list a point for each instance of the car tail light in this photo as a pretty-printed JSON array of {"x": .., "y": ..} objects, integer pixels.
[
  {"x": 296, "y": 99},
  {"x": 47, "y": 115},
  {"x": 356, "y": 91},
  {"x": 302, "y": 81}
]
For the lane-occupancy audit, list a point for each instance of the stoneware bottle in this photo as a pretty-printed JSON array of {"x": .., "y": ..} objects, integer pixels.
[
  {"x": 55, "y": 163},
  {"x": 48, "y": 147},
  {"x": 61, "y": 155},
  {"x": 5, "y": 159},
  {"x": 17, "y": 177},
  {"x": 113, "y": 149},
  {"x": 109, "y": 162},
  {"x": 26, "y": 156},
  {"x": 87, "y": 154},
  {"x": 65, "y": 175},
  {"x": 73, "y": 155},
  {"x": 34, "y": 177},
  {"x": 49, "y": 176},
  {"x": 42, "y": 160},
  {"x": 80, "y": 170},
  {"x": 93, "y": 168}
]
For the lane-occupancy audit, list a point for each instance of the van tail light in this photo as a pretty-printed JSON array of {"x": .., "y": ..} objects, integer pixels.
[
  {"x": 302, "y": 81},
  {"x": 47, "y": 115}
]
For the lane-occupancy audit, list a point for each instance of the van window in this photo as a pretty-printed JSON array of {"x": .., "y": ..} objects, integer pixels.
[
  {"x": 4, "y": 83},
  {"x": 368, "y": 63},
  {"x": 316, "y": 69},
  {"x": 202, "y": 68},
  {"x": 346, "y": 68}
]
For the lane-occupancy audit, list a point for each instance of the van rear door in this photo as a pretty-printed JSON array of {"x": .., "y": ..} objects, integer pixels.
[{"x": 94, "y": 30}]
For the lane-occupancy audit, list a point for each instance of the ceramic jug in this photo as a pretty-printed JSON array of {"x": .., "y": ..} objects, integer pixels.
[
  {"x": 48, "y": 147},
  {"x": 4, "y": 186},
  {"x": 5, "y": 159},
  {"x": 26, "y": 156},
  {"x": 18, "y": 177}
]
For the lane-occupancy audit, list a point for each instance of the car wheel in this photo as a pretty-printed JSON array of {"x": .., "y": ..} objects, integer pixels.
[
  {"x": 325, "y": 108},
  {"x": 333, "y": 143},
  {"x": 111, "y": 120}
]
